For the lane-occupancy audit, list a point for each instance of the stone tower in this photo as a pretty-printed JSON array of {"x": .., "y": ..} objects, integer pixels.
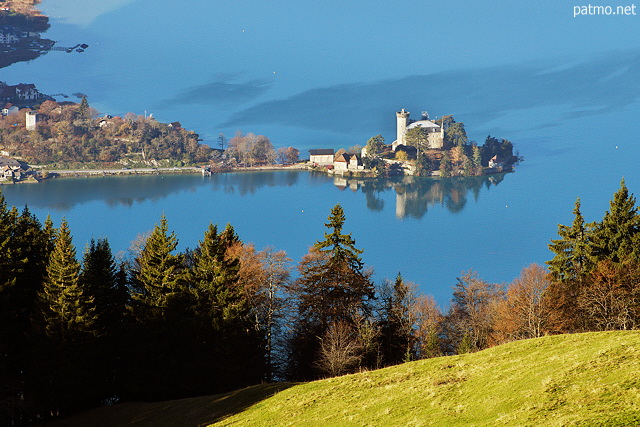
[
  {"x": 32, "y": 120},
  {"x": 401, "y": 127}
]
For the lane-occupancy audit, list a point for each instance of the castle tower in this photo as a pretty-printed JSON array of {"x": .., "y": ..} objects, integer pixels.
[{"x": 401, "y": 126}]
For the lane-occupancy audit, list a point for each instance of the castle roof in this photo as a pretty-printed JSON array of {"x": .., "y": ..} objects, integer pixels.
[{"x": 424, "y": 124}]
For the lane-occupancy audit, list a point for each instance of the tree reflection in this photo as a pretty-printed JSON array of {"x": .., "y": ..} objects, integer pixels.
[{"x": 414, "y": 195}]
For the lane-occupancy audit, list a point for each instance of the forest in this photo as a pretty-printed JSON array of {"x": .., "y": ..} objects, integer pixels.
[{"x": 156, "y": 324}]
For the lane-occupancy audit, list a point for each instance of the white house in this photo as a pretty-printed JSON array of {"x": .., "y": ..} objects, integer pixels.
[
  {"x": 347, "y": 162},
  {"x": 322, "y": 156},
  {"x": 9, "y": 109}
]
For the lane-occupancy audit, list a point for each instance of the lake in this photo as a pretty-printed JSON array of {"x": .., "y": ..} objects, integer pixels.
[{"x": 330, "y": 75}]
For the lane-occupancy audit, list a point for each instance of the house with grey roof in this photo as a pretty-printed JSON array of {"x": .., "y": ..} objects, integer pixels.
[{"x": 321, "y": 157}]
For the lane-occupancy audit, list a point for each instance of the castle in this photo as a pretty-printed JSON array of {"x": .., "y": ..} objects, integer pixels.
[{"x": 435, "y": 132}]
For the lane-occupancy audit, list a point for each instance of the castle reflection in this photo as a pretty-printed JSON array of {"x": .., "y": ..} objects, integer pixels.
[{"x": 415, "y": 195}]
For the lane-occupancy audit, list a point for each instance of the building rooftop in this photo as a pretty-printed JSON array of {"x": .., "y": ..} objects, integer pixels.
[
  {"x": 321, "y": 152},
  {"x": 424, "y": 124}
]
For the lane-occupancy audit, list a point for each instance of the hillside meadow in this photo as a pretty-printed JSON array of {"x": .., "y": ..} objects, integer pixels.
[{"x": 576, "y": 379}]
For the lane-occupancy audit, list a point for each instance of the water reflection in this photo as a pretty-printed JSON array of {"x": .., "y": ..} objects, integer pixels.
[
  {"x": 64, "y": 194},
  {"x": 20, "y": 31},
  {"x": 245, "y": 183},
  {"x": 415, "y": 195}
]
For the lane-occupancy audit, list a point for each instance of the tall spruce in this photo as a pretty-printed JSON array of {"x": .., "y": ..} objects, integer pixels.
[
  {"x": 24, "y": 252},
  {"x": 616, "y": 238},
  {"x": 332, "y": 288},
  {"x": 68, "y": 311},
  {"x": 397, "y": 321},
  {"x": 572, "y": 250},
  {"x": 99, "y": 280},
  {"x": 339, "y": 288},
  {"x": 228, "y": 347},
  {"x": 161, "y": 308},
  {"x": 158, "y": 276}
]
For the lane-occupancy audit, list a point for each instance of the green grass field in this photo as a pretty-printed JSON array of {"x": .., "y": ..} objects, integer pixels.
[{"x": 580, "y": 379}]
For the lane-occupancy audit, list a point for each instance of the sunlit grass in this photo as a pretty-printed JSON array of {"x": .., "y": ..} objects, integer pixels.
[{"x": 579, "y": 379}]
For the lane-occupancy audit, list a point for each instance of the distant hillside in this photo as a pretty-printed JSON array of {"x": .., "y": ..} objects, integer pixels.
[{"x": 591, "y": 379}]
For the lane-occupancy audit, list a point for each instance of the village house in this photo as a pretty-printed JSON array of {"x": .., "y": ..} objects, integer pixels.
[
  {"x": 19, "y": 92},
  {"x": 496, "y": 162},
  {"x": 321, "y": 157},
  {"x": 344, "y": 161},
  {"x": 9, "y": 109},
  {"x": 10, "y": 169}
]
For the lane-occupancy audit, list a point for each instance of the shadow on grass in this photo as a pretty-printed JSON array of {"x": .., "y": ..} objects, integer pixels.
[{"x": 196, "y": 411}]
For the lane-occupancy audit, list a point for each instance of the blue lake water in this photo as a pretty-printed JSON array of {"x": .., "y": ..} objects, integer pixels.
[{"x": 565, "y": 90}]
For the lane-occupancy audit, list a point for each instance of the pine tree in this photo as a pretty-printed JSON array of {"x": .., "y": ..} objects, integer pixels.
[
  {"x": 158, "y": 277},
  {"x": 67, "y": 310},
  {"x": 83, "y": 109},
  {"x": 227, "y": 339},
  {"x": 24, "y": 249},
  {"x": 342, "y": 285},
  {"x": 99, "y": 280},
  {"x": 332, "y": 288},
  {"x": 476, "y": 160},
  {"x": 572, "y": 250},
  {"x": 445, "y": 165},
  {"x": 162, "y": 311},
  {"x": 397, "y": 322},
  {"x": 616, "y": 238}
]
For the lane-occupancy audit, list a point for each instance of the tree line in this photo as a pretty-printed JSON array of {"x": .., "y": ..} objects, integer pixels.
[{"x": 162, "y": 324}]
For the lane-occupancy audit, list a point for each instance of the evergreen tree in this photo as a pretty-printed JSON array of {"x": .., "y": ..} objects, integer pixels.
[
  {"x": 374, "y": 145},
  {"x": 332, "y": 288},
  {"x": 343, "y": 286},
  {"x": 158, "y": 276},
  {"x": 68, "y": 311},
  {"x": 83, "y": 109},
  {"x": 161, "y": 308},
  {"x": 101, "y": 280},
  {"x": 571, "y": 259},
  {"x": 98, "y": 279},
  {"x": 446, "y": 168},
  {"x": 24, "y": 249},
  {"x": 616, "y": 237},
  {"x": 476, "y": 160},
  {"x": 227, "y": 340},
  {"x": 397, "y": 322},
  {"x": 455, "y": 135},
  {"x": 422, "y": 164}
]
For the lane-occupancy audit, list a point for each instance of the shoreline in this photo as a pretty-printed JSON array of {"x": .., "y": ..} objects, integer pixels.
[
  {"x": 196, "y": 170},
  {"x": 184, "y": 170}
]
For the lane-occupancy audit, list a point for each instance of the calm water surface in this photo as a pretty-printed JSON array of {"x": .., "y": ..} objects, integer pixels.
[
  {"x": 428, "y": 229},
  {"x": 331, "y": 74}
]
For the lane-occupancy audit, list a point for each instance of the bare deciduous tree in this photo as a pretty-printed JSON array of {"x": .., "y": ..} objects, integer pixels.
[
  {"x": 340, "y": 350},
  {"x": 524, "y": 312}
]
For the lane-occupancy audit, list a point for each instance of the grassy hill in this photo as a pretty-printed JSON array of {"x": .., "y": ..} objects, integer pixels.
[{"x": 579, "y": 379}]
